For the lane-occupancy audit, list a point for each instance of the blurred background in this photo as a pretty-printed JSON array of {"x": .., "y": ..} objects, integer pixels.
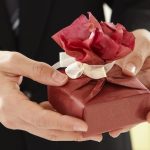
[{"x": 140, "y": 135}]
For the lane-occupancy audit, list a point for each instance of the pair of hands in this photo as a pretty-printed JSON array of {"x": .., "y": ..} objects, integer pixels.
[{"x": 18, "y": 112}]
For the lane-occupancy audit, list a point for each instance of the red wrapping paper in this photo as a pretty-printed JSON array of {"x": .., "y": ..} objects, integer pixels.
[{"x": 108, "y": 103}]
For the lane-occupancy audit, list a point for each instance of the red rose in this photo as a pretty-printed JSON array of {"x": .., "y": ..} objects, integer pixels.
[{"x": 95, "y": 43}]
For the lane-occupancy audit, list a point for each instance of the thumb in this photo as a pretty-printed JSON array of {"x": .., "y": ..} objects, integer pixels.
[
  {"x": 19, "y": 64},
  {"x": 45, "y": 74},
  {"x": 132, "y": 64}
]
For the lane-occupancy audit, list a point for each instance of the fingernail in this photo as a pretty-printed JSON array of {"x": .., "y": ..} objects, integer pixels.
[
  {"x": 131, "y": 68},
  {"x": 59, "y": 78},
  {"x": 82, "y": 128},
  {"x": 116, "y": 135},
  {"x": 125, "y": 130},
  {"x": 96, "y": 138}
]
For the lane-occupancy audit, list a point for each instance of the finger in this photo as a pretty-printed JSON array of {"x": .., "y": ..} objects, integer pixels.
[
  {"x": 133, "y": 64},
  {"x": 47, "y": 119},
  {"x": 116, "y": 133},
  {"x": 38, "y": 71},
  {"x": 56, "y": 135}
]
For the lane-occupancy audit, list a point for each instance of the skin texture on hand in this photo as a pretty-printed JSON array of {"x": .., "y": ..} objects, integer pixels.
[
  {"x": 137, "y": 64},
  {"x": 18, "y": 112}
]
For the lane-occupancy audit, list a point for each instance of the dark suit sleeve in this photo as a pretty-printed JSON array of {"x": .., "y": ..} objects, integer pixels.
[{"x": 134, "y": 14}]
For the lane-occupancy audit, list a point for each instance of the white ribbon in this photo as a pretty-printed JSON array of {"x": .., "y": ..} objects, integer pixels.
[{"x": 75, "y": 69}]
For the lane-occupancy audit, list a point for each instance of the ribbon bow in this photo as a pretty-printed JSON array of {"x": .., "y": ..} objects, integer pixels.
[{"x": 75, "y": 69}]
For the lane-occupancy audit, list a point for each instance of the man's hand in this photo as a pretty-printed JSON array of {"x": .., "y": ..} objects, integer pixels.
[
  {"x": 18, "y": 112},
  {"x": 137, "y": 63}
]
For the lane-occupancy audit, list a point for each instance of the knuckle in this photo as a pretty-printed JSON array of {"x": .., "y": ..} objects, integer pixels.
[
  {"x": 12, "y": 57},
  {"x": 14, "y": 54},
  {"x": 39, "y": 69},
  {"x": 8, "y": 58}
]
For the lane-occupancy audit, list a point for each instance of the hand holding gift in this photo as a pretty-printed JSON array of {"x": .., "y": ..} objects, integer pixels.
[
  {"x": 137, "y": 63},
  {"x": 111, "y": 96}
]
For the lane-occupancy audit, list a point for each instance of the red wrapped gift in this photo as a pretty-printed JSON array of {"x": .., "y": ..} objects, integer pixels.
[
  {"x": 106, "y": 104},
  {"x": 99, "y": 93}
]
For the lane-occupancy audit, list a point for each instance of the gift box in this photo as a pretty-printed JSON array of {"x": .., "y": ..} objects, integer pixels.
[
  {"x": 106, "y": 104},
  {"x": 97, "y": 91}
]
